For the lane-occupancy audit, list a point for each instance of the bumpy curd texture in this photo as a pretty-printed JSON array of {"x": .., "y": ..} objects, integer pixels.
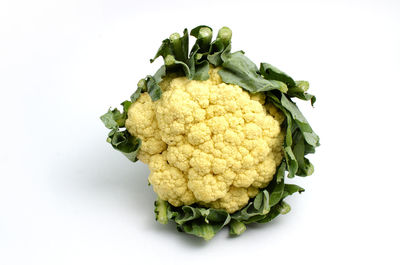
[{"x": 207, "y": 142}]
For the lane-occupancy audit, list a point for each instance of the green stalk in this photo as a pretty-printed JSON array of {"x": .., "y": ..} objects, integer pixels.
[
  {"x": 142, "y": 85},
  {"x": 169, "y": 60},
  {"x": 176, "y": 42},
  {"x": 207, "y": 232},
  {"x": 283, "y": 207},
  {"x": 161, "y": 211},
  {"x": 236, "y": 228},
  {"x": 225, "y": 34},
  {"x": 204, "y": 38}
]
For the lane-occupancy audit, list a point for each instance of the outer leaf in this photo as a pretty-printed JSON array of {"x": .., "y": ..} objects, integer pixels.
[
  {"x": 199, "y": 221},
  {"x": 273, "y": 213},
  {"x": 290, "y": 189},
  {"x": 110, "y": 118},
  {"x": 202, "y": 229},
  {"x": 254, "y": 209},
  {"x": 272, "y": 73},
  {"x": 299, "y": 91},
  {"x": 122, "y": 141},
  {"x": 201, "y": 71},
  {"x": 164, "y": 50},
  {"x": 216, "y": 49},
  {"x": 135, "y": 96},
  {"x": 154, "y": 89},
  {"x": 291, "y": 161},
  {"x": 305, "y": 167},
  {"x": 126, "y": 104},
  {"x": 198, "y": 67},
  {"x": 276, "y": 187},
  {"x": 301, "y": 121},
  {"x": 239, "y": 70},
  {"x": 220, "y": 46}
]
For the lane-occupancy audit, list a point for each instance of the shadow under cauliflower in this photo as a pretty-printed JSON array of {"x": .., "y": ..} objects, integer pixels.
[{"x": 207, "y": 142}]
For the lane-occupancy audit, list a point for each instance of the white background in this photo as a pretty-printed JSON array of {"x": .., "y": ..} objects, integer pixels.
[{"x": 67, "y": 198}]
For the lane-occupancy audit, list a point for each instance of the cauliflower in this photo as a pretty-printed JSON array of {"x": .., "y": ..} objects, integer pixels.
[
  {"x": 207, "y": 142},
  {"x": 219, "y": 134}
]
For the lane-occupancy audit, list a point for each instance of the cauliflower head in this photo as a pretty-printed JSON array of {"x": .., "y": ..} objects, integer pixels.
[{"x": 207, "y": 142}]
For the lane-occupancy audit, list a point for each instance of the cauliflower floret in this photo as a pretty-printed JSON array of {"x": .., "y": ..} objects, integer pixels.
[
  {"x": 207, "y": 142},
  {"x": 142, "y": 122},
  {"x": 169, "y": 182},
  {"x": 234, "y": 200}
]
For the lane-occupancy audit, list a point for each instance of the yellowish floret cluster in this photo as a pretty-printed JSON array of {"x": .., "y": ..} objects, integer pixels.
[{"x": 207, "y": 142}]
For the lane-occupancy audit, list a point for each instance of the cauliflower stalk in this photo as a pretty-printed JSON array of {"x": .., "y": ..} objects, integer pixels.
[{"x": 218, "y": 134}]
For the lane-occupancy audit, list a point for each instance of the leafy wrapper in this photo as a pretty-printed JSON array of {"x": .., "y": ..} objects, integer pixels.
[{"x": 279, "y": 89}]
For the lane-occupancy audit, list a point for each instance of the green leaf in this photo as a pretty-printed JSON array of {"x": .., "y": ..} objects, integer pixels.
[
  {"x": 126, "y": 104},
  {"x": 295, "y": 149},
  {"x": 154, "y": 89},
  {"x": 273, "y": 213},
  {"x": 299, "y": 91},
  {"x": 280, "y": 173},
  {"x": 198, "y": 221},
  {"x": 309, "y": 135},
  {"x": 254, "y": 209},
  {"x": 219, "y": 46},
  {"x": 110, "y": 118},
  {"x": 291, "y": 161},
  {"x": 200, "y": 229},
  {"x": 122, "y": 141},
  {"x": 135, "y": 96},
  {"x": 164, "y": 50},
  {"x": 128, "y": 144},
  {"x": 305, "y": 168},
  {"x": 201, "y": 72},
  {"x": 272, "y": 73},
  {"x": 161, "y": 72},
  {"x": 280, "y": 208},
  {"x": 276, "y": 188},
  {"x": 239, "y": 70},
  {"x": 300, "y": 87},
  {"x": 290, "y": 189},
  {"x": 216, "y": 49}
]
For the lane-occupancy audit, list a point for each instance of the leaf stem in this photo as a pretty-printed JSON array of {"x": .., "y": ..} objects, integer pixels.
[
  {"x": 225, "y": 34},
  {"x": 176, "y": 42},
  {"x": 236, "y": 228},
  {"x": 204, "y": 38}
]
